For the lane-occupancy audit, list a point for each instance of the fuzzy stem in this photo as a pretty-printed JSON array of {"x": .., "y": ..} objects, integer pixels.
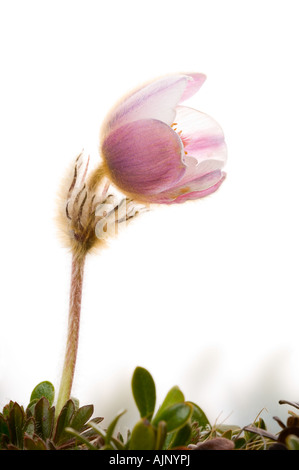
[
  {"x": 96, "y": 176},
  {"x": 73, "y": 332}
]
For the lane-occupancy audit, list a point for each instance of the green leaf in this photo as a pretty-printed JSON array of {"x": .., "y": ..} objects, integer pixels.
[
  {"x": 34, "y": 444},
  {"x": 199, "y": 416},
  {"x": 44, "y": 418},
  {"x": 3, "y": 426},
  {"x": 182, "y": 436},
  {"x": 143, "y": 436},
  {"x": 63, "y": 421},
  {"x": 176, "y": 416},
  {"x": 7, "y": 409},
  {"x": 101, "y": 432},
  {"x": 228, "y": 434},
  {"x": 239, "y": 443},
  {"x": 117, "y": 444},
  {"x": 76, "y": 403},
  {"x": 161, "y": 435},
  {"x": 80, "y": 438},
  {"x": 261, "y": 424},
  {"x": 144, "y": 392},
  {"x": 292, "y": 442},
  {"x": 90, "y": 433},
  {"x": 29, "y": 427},
  {"x": 81, "y": 416},
  {"x": 15, "y": 423},
  {"x": 111, "y": 427},
  {"x": 43, "y": 389},
  {"x": 30, "y": 408},
  {"x": 173, "y": 397}
]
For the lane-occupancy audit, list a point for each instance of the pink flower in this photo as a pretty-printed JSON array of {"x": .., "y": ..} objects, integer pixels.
[{"x": 156, "y": 150}]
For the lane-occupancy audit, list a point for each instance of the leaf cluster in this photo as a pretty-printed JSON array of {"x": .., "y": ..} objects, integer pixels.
[
  {"x": 175, "y": 424},
  {"x": 181, "y": 424},
  {"x": 36, "y": 427},
  {"x": 287, "y": 438}
]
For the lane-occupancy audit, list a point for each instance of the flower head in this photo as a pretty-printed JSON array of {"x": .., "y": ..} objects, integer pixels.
[{"x": 158, "y": 151}]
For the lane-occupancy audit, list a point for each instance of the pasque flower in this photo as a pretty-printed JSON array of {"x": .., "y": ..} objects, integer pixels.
[{"x": 157, "y": 151}]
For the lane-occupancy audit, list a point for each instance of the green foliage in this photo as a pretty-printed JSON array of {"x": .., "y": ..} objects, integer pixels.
[
  {"x": 171, "y": 426},
  {"x": 43, "y": 389},
  {"x": 143, "y": 436},
  {"x": 173, "y": 397},
  {"x": 35, "y": 428},
  {"x": 144, "y": 392},
  {"x": 176, "y": 424}
]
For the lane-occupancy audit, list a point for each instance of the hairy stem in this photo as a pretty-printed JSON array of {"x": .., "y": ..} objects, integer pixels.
[
  {"x": 73, "y": 332},
  {"x": 95, "y": 177}
]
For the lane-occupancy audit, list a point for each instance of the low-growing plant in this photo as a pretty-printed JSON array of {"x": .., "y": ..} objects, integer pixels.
[
  {"x": 177, "y": 424},
  {"x": 154, "y": 151}
]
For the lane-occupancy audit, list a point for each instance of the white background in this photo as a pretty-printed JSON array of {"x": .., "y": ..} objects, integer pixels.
[{"x": 204, "y": 294}]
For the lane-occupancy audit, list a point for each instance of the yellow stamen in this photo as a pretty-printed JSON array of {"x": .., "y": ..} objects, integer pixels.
[{"x": 185, "y": 190}]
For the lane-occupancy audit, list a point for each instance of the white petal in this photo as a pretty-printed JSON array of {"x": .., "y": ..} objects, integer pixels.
[
  {"x": 202, "y": 136},
  {"x": 157, "y": 100},
  {"x": 193, "y": 85}
]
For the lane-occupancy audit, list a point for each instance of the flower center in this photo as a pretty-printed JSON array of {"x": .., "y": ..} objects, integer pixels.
[{"x": 180, "y": 134}]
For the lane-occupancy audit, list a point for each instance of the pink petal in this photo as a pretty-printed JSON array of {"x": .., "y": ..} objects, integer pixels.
[
  {"x": 203, "y": 192},
  {"x": 198, "y": 188},
  {"x": 194, "y": 83},
  {"x": 196, "y": 172},
  {"x": 202, "y": 137},
  {"x": 144, "y": 157}
]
